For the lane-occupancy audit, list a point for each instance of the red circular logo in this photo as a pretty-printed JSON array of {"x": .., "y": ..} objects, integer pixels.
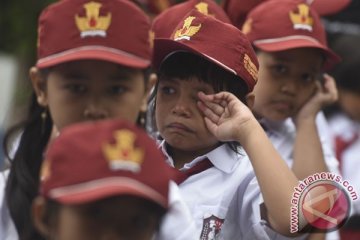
[{"x": 325, "y": 205}]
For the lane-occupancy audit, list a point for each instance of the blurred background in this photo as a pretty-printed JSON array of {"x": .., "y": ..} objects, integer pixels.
[{"x": 18, "y": 31}]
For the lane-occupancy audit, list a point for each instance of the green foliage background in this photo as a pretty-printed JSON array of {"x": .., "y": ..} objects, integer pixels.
[{"x": 18, "y": 27}]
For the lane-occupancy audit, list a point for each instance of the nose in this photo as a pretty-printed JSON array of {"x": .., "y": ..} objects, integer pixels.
[
  {"x": 182, "y": 107},
  {"x": 289, "y": 87},
  {"x": 95, "y": 111}
]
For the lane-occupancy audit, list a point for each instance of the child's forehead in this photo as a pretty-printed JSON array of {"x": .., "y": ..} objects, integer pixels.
[{"x": 192, "y": 80}]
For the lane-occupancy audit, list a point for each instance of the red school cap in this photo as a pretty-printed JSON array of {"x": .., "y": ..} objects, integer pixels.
[
  {"x": 238, "y": 9},
  {"x": 109, "y": 30},
  {"x": 164, "y": 24},
  {"x": 278, "y": 25},
  {"x": 215, "y": 41},
  {"x": 92, "y": 161}
]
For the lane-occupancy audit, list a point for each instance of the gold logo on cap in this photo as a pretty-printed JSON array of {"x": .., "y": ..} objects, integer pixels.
[
  {"x": 203, "y": 8},
  {"x": 302, "y": 19},
  {"x": 45, "y": 170},
  {"x": 246, "y": 28},
  {"x": 151, "y": 38},
  {"x": 187, "y": 31},
  {"x": 124, "y": 155},
  {"x": 250, "y": 67},
  {"x": 93, "y": 24}
]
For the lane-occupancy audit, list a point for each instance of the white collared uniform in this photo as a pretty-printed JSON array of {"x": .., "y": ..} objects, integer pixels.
[
  {"x": 7, "y": 228},
  {"x": 224, "y": 200},
  {"x": 282, "y": 135},
  {"x": 344, "y": 127}
]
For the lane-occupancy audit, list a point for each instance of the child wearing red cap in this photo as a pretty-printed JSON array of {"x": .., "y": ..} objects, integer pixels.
[
  {"x": 204, "y": 70},
  {"x": 116, "y": 196},
  {"x": 290, "y": 92},
  {"x": 93, "y": 61}
]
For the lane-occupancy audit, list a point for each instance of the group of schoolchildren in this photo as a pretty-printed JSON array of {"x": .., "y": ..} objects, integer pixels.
[{"x": 235, "y": 110}]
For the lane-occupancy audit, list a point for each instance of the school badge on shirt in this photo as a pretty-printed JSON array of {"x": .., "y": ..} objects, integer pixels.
[{"x": 211, "y": 228}]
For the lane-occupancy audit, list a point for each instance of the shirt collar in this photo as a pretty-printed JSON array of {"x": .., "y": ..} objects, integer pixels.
[{"x": 222, "y": 157}]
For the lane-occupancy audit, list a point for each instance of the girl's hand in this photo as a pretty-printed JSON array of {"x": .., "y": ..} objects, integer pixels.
[
  {"x": 226, "y": 117},
  {"x": 325, "y": 94}
]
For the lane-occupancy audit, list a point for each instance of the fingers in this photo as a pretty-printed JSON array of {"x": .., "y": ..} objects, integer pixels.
[
  {"x": 330, "y": 88},
  {"x": 209, "y": 113}
]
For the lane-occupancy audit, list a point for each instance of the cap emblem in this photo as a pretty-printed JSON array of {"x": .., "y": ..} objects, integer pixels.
[
  {"x": 187, "y": 31},
  {"x": 250, "y": 67},
  {"x": 302, "y": 19},
  {"x": 203, "y": 8},
  {"x": 93, "y": 24},
  {"x": 123, "y": 154},
  {"x": 246, "y": 28}
]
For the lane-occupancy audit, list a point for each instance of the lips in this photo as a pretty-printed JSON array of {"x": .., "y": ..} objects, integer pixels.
[
  {"x": 179, "y": 127},
  {"x": 282, "y": 105}
]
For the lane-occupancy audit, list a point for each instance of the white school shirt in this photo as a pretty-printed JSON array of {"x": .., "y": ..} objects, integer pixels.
[
  {"x": 344, "y": 127},
  {"x": 178, "y": 216},
  {"x": 282, "y": 135},
  {"x": 7, "y": 227},
  {"x": 225, "y": 199}
]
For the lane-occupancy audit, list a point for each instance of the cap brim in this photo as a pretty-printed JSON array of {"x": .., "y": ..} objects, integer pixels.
[
  {"x": 104, "y": 188},
  {"x": 169, "y": 46},
  {"x": 95, "y": 53},
  {"x": 328, "y": 7},
  {"x": 274, "y": 45}
]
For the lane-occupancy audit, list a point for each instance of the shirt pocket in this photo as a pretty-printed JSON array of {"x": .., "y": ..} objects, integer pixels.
[{"x": 209, "y": 220}]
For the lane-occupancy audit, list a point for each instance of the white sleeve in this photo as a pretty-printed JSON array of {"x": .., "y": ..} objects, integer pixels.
[
  {"x": 244, "y": 219},
  {"x": 178, "y": 223},
  {"x": 326, "y": 143},
  {"x": 7, "y": 228}
]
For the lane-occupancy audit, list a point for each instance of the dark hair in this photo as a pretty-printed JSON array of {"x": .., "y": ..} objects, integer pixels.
[
  {"x": 23, "y": 181},
  {"x": 185, "y": 65}
]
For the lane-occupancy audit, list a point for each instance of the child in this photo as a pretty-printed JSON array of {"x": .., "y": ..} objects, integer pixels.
[
  {"x": 345, "y": 123},
  {"x": 164, "y": 24},
  {"x": 292, "y": 88},
  {"x": 98, "y": 182},
  {"x": 195, "y": 117},
  {"x": 93, "y": 60}
]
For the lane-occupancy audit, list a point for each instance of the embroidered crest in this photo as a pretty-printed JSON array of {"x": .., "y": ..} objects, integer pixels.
[
  {"x": 250, "y": 67},
  {"x": 246, "y": 28},
  {"x": 187, "y": 30},
  {"x": 302, "y": 19},
  {"x": 203, "y": 8},
  {"x": 123, "y": 155},
  {"x": 151, "y": 38},
  {"x": 211, "y": 228},
  {"x": 45, "y": 170},
  {"x": 93, "y": 24}
]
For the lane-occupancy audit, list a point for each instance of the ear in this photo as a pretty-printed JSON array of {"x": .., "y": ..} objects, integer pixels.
[
  {"x": 250, "y": 99},
  {"x": 150, "y": 87},
  {"x": 38, "y": 210},
  {"x": 39, "y": 85}
]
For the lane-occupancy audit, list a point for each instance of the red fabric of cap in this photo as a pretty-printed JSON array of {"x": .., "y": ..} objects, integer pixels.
[
  {"x": 216, "y": 41},
  {"x": 278, "y": 25},
  {"x": 237, "y": 10},
  {"x": 328, "y": 7},
  {"x": 92, "y": 161},
  {"x": 79, "y": 29},
  {"x": 164, "y": 24}
]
